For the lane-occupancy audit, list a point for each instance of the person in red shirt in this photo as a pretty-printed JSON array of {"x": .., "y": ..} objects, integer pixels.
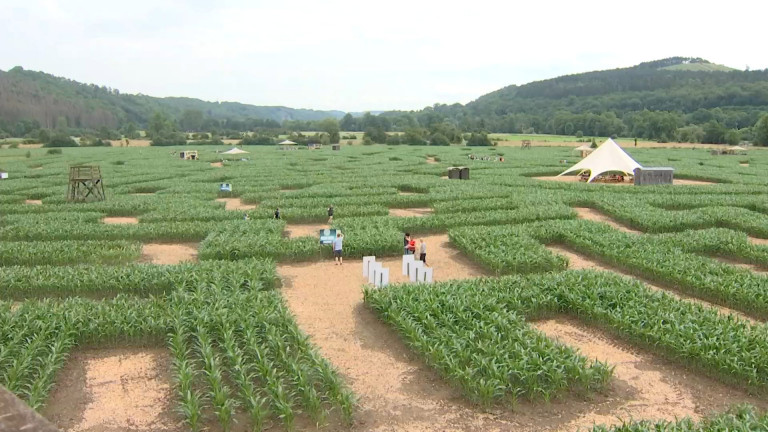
[{"x": 412, "y": 246}]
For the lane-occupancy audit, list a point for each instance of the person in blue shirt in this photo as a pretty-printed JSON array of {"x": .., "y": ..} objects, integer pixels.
[{"x": 337, "y": 246}]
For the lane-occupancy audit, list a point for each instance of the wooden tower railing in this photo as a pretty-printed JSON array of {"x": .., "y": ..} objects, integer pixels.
[{"x": 85, "y": 183}]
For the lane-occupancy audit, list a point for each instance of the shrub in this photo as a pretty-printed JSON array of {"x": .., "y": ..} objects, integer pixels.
[
  {"x": 169, "y": 139},
  {"x": 54, "y": 151},
  {"x": 579, "y": 134},
  {"x": 59, "y": 140},
  {"x": 479, "y": 139},
  {"x": 257, "y": 140},
  {"x": 439, "y": 140}
]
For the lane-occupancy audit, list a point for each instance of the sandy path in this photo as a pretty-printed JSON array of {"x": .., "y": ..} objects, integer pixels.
[
  {"x": 578, "y": 262},
  {"x": 758, "y": 241},
  {"x": 410, "y": 212},
  {"x": 396, "y": 391},
  {"x": 235, "y": 204},
  {"x": 595, "y": 215},
  {"x": 752, "y": 267},
  {"x": 156, "y": 253},
  {"x": 431, "y": 160},
  {"x": 659, "y": 390},
  {"x": 120, "y": 220},
  {"x": 302, "y": 230},
  {"x": 114, "y": 389},
  {"x": 33, "y": 202},
  {"x": 744, "y": 164},
  {"x": 217, "y": 164}
]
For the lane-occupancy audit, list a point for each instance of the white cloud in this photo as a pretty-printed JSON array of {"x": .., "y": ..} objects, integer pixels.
[{"x": 354, "y": 56}]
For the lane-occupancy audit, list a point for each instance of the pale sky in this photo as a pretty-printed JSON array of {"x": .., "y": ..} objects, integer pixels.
[{"x": 360, "y": 55}]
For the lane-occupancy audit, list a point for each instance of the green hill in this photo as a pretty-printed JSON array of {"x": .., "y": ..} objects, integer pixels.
[{"x": 31, "y": 95}]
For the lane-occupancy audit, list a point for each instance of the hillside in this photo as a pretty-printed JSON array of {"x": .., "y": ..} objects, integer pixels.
[
  {"x": 677, "y": 92},
  {"x": 31, "y": 95}
]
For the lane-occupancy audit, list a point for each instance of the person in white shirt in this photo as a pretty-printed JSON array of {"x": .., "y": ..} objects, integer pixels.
[
  {"x": 337, "y": 246},
  {"x": 422, "y": 251}
]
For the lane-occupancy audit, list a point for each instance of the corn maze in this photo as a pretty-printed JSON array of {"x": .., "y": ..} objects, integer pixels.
[{"x": 238, "y": 358}]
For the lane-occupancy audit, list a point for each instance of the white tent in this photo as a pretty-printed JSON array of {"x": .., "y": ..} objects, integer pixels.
[
  {"x": 608, "y": 157},
  {"x": 235, "y": 150},
  {"x": 736, "y": 148},
  {"x": 287, "y": 142}
]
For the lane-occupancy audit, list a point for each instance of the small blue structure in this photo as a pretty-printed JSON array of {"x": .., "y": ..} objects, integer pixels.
[{"x": 225, "y": 187}]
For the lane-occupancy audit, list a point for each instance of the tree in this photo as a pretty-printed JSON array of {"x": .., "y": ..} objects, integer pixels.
[
  {"x": 714, "y": 133},
  {"x": 130, "y": 131},
  {"x": 160, "y": 124},
  {"x": 732, "y": 137},
  {"x": 192, "y": 120},
  {"x": 60, "y": 140},
  {"x": 439, "y": 140},
  {"x": 761, "y": 131},
  {"x": 61, "y": 124},
  {"x": 375, "y": 134},
  {"x": 348, "y": 123},
  {"x": 331, "y": 127}
]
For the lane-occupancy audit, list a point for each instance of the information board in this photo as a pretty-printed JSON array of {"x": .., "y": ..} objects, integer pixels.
[{"x": 327, "y": 235}]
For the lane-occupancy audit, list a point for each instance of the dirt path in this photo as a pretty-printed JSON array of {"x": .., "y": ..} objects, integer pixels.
[
  {"x": 114, "y": 390},
  {"x": 578, "y": 262},
  {"x": 33, "y": 202},
  {"x": 156, "y": 253},
  {"x": 302, "y": 230},
  {"x": 235, "y": 204},
  {"x": 410, "y": 212},
  {"x": 119, "y": 220},
  {"x": 431, "y": 160},
  {"x": 758, "y": 241},
  {"x": 751, "y": 267},
  {"x": 217, "y": 164},
  {"x": 597, "y": 216},
  {"x": 657, "y": 390}
]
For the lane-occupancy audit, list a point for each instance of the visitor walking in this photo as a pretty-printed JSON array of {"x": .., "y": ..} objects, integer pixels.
[
  {"x": 406, "y": 240},
  {"x": 337, "y": 247},
  {"x": 422, "y": 251},
  {"x": 277, "y": 213},
  {"x": 330, "y": 215}
]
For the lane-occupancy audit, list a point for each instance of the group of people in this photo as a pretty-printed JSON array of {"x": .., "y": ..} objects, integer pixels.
[
  {"x": 487, "y": 158},
  {"x": 409, "y": 247}
]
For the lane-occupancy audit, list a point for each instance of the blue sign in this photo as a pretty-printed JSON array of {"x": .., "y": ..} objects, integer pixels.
[{"x": 327, "y": 235}]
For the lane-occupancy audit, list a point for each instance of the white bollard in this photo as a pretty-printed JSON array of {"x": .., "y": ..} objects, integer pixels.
[
  {"x": 407, "y": 259},
  {"x": 366, "y": 262},
  {"x": 428, "y": 272},
  {"x": 381, "y": 277},
  {"x": 413, "y": 270},
  {"x": 372, "y": 267}
]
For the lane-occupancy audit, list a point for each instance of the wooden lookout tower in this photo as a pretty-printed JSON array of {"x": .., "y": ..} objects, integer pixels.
[{"x": 85, "y": 184}]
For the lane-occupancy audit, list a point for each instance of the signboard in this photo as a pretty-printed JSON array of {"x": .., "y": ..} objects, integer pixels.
[{"x": 327, "y": 235}]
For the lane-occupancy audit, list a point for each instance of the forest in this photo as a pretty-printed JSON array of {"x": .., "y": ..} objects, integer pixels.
[{"x": 671, "y": 100}]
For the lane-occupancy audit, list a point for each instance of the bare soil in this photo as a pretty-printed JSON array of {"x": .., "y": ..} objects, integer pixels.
[
  {"x": 645, "y": 387},
  {"x": 758, "y": 241},
  {"x": 156, "y": 253},
  {"x": 744, "y": 164},
  {"x": 595, "y": 215},
  {"x": 640, "y": 144},
  {"x": 575, "y": 179},
  {"x": 120, "y": 220},
  {"x": 143, "y": 193},
  {"x": 431, "y": 160},
  {"x": 410, "y": 212},
  {"x": 578, "y": 262},
  {"x": 407, "y": 193},
  {"x": 217, "y": 164},
  {"x": 123, "y": 389},
  {"x": 235, "y": 204},
  {"x": 303, "y": 230},
  {"x": 131, "y": 143},
  {"x": 33, "y": 202}
]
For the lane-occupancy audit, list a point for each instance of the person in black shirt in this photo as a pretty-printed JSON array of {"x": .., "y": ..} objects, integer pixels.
[
  {"x": 330, "y": 214},
  {"x": 406, "y": 241},
  {"x": 277, "y": 213}
]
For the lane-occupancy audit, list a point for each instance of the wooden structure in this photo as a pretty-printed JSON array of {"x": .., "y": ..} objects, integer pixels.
[
  {"x": 188, "y": 155},
  {"x": 526, "y": 144},
  {"x": 336, "y": 147},
  {"x": 15, "y": 415},
  {"x": 85, "y": 183},
  {"x": 458, "y": 173}
]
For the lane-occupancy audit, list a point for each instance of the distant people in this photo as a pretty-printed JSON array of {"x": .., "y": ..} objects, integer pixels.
[
  {"x": 635, "y": 142},
  {"x": 422, "y": 251},
  {"x": 246, "y": 217},
  {"x": 406, "y": 240},
  {"x": 330, "y": 214},
  {"x": 337, "y": 247},
  {"x": 277, "y": 213},
  {"x": 412, "y": 246},
  {"x": 501, "y": 159}
]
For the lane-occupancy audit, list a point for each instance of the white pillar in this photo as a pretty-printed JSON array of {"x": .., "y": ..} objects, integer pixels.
[
  {"x": 428, "y": 272},
  {"x": 407, "y": 259},
  {"x": 414, "y": 269},
  {"x": 381, "y": 277},
  {"x": 372, "y": 271},
  {"x": 367, "y": 260}
]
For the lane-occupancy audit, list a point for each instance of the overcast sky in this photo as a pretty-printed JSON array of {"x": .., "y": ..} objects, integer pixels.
[{"x": 361, "y": 55}]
